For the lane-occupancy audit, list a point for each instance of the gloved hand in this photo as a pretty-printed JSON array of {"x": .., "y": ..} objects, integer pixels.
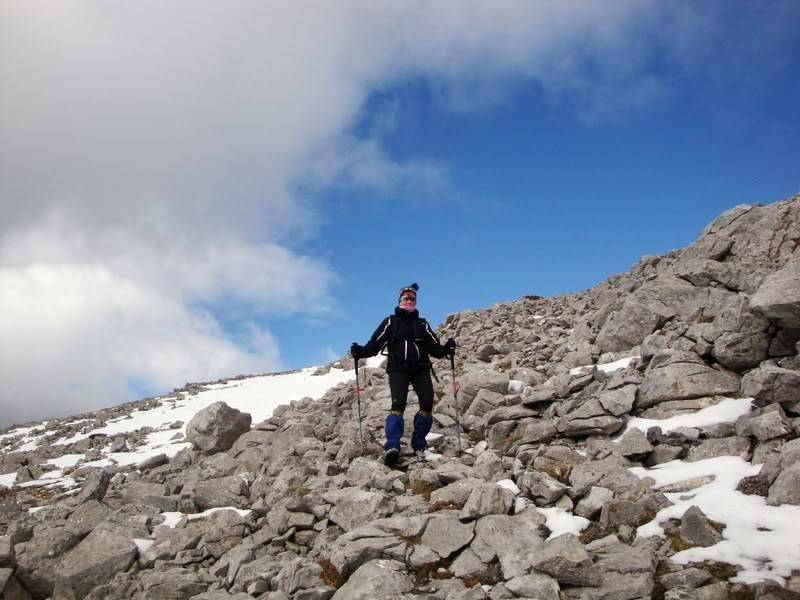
[
  {"x": 356, "y": 351},
  {"x": 450, "y": 347}
]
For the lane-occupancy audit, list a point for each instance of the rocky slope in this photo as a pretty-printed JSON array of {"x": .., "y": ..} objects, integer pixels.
[{"x": 635, "y": 440}]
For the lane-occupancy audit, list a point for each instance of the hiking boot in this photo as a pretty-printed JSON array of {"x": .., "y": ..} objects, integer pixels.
[
  {"x": 391, "y": 456},
  {"x": 421, "y": 454}
]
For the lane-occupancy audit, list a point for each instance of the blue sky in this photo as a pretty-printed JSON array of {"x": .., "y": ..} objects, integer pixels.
[{"x": 202, "y": 189}]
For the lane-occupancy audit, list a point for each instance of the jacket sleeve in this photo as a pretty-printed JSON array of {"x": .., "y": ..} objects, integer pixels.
[
  {"x": 379, "y": 338},
  {"x": 432, "y": 344}
]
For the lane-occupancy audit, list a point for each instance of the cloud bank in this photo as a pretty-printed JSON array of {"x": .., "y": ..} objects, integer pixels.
[{"x": 152, "y": 156}]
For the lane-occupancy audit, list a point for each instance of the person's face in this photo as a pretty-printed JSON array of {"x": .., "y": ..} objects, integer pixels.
[{"x": 408, "y": 300}]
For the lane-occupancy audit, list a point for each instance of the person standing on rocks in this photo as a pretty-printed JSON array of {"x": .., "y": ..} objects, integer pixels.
[{"x": 409, "y": 341}]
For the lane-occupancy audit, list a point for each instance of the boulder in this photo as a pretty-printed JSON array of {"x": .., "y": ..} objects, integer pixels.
[
  {"x": 764, "y": 424},
  {"x": 534, "y": 585},
  {"x": 675, "y": 375},
  {"x": 95, "y": 487},
  {"x": 222, "y": 492},
  {"x": 303, "y": 576},
  {"x": 354, "y": 507},
  {"x": 740, "y": 337},
  {"x": 769, "y": 384},
  {"x": 376, "y": 579},
  {"x": 590, "y": 418},
  {"x": 697, "y": 530},
  {"x": 778, "y": 296},
  {"x": 7, "y": 556},
  {"x": 144, "y": 492},
  {"x": 634, "y": 443},
  {"x": 487, "y": 499},
  {"x": 786, "y": 487},
  {"x": 175, "y": 583},
  {"x": 565, "y": 559},
  {"x": 468, "y": 564},
  {"x": 594, "y": 501},
  {"x": 628, "y": 326},
  {"x": 540, "y": 487},
  {"x": 618, "y": 401},
  {"x": 728, "y": 446},
  {"x": 36, "y": 567},
  {"x": 484, "y": 402},
  {"x": 104, "y": 553},
  {"x": 446, "y": 534},
  {"x": 628, "y": 571},
  {"x": 216, "y": 428},
  {"x": 512, "y": 540},
  {"x": 10, "y": 588}
]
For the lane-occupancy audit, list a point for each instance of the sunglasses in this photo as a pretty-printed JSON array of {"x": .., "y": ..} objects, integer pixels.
[{"x": 408, "y": 298}]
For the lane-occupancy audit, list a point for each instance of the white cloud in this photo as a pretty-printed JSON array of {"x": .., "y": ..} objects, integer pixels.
[
  {"x": 78, "y": 335},
  {"x": 151, "y": 155}
]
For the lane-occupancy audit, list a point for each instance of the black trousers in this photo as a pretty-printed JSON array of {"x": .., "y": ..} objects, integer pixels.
[{"x": 423, "y": 386}]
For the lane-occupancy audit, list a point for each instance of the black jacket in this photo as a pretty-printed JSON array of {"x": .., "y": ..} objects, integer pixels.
[{"x": 409, "y": 341}]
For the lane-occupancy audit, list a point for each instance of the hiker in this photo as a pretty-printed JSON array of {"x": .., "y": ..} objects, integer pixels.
[{"x": 409, "y": 341}]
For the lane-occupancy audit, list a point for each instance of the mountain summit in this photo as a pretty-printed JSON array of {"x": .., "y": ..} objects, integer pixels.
[{"x": 635, "y": 440}]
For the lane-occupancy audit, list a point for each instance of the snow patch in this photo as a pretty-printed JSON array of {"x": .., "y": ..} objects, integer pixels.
[
  {"x": 760, "y": 539},
  {"x": 559, "y": 522},
  {"x": 605, "y": 367},
  {"x": 726, "y": 411},
  {"x": 509, "y": 485}
]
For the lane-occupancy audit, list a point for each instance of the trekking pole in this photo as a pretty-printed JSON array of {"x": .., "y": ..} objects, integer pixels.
[
  {"x": 455, "y": 397},
  {"x": 358, "y": 403}
]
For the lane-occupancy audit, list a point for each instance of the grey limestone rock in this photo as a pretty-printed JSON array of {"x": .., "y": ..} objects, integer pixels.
[
  {"x": 674, "y": 375},
  {"x": 628, "y": 326},
  {"x": 688, "y": 578},
  {"x": 786, "y": 487},
  {"x": 222, "y": 492},
  {"x": 354, "y": 507},
  {"x": 769, "y": 384},
  {"x": 634, "y": 443},
  {"x": 217, "y": 427},
  {"x": 538, "y": 431},
  {"x": 456, "y": 493},
  {"x": 764, "y": 424},
  {"x": 95, "y": 487},
  {"x": 101, "y": 555},
  {"x": 513, "y": 540},
  {"x": 376, "y": 579},
  {"x": 36, "y": 566},
  {"x": 489, "y": 466},
  {"x": 618, "y": 401},
  {"x": 469, "y": 564},
  {"x": 446, "y": 533},
  {"x": 10, "y": 588},
  {"x": 145, "y": 492},
  {"x": 728, "y": 446},
  {"x": 534, "y": 585},
  {"x": 484, "y": 402},
  {"x": 540, "y": 487},
  {"x": 302, "y": 574},
  {"x": 594, "y": 501},
  {"x": 175, "y": 583},
  {"x": 778, "y": 296},
  {"x": 697, "y": 530},
  {"x": 151, "y": 462},
  {"x": 565, "y": 559},
  {"x": 487, "y": 499},
  {"x": 7, "y": 556}
]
